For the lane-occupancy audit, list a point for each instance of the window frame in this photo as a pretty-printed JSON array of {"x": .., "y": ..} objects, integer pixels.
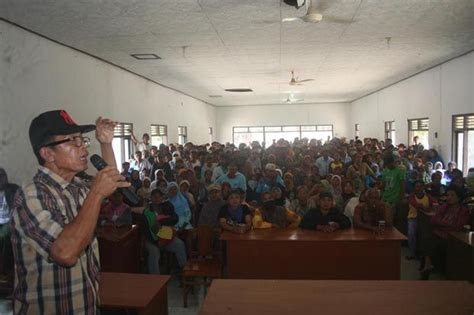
[
  {"x": 420, "y": 124},
  {"x": 182, "y": 136},
  {"x": 280, "y": 128},
  {"x": 389, "y": 127},
  {"x": 120, "y": 132},
  {"x": 164, "y": 135},
  {"x": 467, "y": 125}
]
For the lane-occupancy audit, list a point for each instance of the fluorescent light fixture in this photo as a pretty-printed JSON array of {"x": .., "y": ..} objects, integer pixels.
[{"x": 145, "y": 56}]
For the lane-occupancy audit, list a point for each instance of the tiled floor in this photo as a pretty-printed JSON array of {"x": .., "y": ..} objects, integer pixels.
[{"x": 409, "y": 271}]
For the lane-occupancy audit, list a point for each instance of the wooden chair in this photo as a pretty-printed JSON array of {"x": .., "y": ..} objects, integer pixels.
[{"x": 203, "y": 266}]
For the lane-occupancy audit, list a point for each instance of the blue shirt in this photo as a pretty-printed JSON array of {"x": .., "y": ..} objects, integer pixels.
[{"x": 238, "y": 181}]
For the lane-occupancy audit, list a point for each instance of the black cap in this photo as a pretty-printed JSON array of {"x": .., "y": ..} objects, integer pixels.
[{"x": 52, "y": 123}]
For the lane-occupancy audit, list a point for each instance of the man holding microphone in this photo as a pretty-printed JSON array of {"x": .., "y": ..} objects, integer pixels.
[{"x": 54, "y": 218}]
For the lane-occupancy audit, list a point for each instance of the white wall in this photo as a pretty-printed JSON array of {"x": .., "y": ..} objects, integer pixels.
[
  {"x": 438, "y": 93},
  {"x": 38, "y": 75},
  {"x": 336, "y": 114}
]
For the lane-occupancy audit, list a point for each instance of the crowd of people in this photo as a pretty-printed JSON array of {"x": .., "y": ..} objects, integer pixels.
[
  {"x": 49, "y": 224},
  {"x": 308, "y": 184}
]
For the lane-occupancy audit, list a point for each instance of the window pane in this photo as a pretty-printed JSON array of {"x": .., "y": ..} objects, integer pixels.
[
  {"x": 127, "y": 146},
  {"x": 470, "y": 150},
  {"x": 424, "y": 124},
  {"x": 308, "y": 128},
  {"x": 422, "y": 137},
  {"x": 413, "y": 124},
  {"x": 158, "y": 130},
  {"x": 117, "y": 146},
  {"x": 470, "y": 122},
  {"x": 291, "y": 128},
  {"x": 272, "y": 129},
  {"x": 460, "y": 150},
  {"x": 392, "y": 136},
  {"x": 288, "y": 136},
  {"x": 256, "y": 129},
  {"x": 248, "y": 138},
  {"x": 458, "y": 122},
  {"x": 324, "y": 128},
  {"x": 241, "y": 129},
  {"x": 157, "y": 140}
]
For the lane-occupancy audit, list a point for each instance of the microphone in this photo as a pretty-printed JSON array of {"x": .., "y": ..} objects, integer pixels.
[{"x": 129, "y": 195}]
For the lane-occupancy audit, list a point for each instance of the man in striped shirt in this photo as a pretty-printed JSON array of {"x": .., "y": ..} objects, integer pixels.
[{"x": 54, "y": 218}]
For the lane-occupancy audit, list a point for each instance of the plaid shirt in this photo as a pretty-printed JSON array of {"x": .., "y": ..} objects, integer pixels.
[{"x": 40, "y": 212}]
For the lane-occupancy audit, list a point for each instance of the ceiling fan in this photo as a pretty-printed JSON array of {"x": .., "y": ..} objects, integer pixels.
[
  {"x": 290, "y": 99},
  {"x": 295, "y": 81},
  {"x": 314, "y": 14}
]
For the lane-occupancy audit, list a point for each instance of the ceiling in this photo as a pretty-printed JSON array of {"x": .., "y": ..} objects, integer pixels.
[{"x": 207, "y": 46}]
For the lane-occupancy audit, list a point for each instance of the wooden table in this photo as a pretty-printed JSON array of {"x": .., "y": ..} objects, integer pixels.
[
  {"x": 119, "y": 248},
  {"x": 147, "y": 294},
  {"x": 460, "y": 256},
  {"x": 304, "y": 254},
  {"x": 338, "y": 297}
]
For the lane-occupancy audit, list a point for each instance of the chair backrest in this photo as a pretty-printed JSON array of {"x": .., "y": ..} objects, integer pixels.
[{"x": 204, "y": 235}]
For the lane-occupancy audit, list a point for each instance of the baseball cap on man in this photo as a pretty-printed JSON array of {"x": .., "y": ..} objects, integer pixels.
[
  {"x": 52, "y": 123},
  {"x": 214, "y": 187}
]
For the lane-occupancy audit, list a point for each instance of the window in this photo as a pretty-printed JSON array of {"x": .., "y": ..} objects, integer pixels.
[
  {"x": 419, "y": 128},
  {"x": 268, "y": 134},
  {"x": 357, "y": 129},
  {"x": 390, "y": 131},
  {"x": 159, "y": 135},
  {"x": 182, "y": 134},
  {"x": 247, "y": 135},
  {"x": 463, "y": 141},
  {"x": 122, "y": 143}
]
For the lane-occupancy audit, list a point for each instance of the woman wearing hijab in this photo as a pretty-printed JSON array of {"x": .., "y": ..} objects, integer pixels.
[{"x": 181, "y": 206}]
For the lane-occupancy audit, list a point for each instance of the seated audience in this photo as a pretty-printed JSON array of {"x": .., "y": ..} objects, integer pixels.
[
  {"x": 270, "y": 179},
  {"x": 348, "y": 190},
  {"x": 418, "y": 200},
  {"x": 303, "y": 201},
  {"x": 161, "y": 218},
  {"x": 436, "y": 189},
  {"x": 210, "y": 209},
  {"x": 278, "y": 197},
  {"x": 126, "y": 170},
  {"x": 135, "y": 180},
  {"x": 449, "y": 217},
  {"x": 161, "y": 164},
  {"x": 234, "y": 178},
  {"x": 371, "y": 211},
  {"x": 181, "y": 207},
  {"x": 140, "y": 164},
  {"x": 270, "y": 214},
  {"x": 116, "y": 212},
  {"x": 235, "y": 216},
  {"x": 184, "y": 189},
  {"x": 326, "y": 217},
  {"x": 145, "y": 191}
]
